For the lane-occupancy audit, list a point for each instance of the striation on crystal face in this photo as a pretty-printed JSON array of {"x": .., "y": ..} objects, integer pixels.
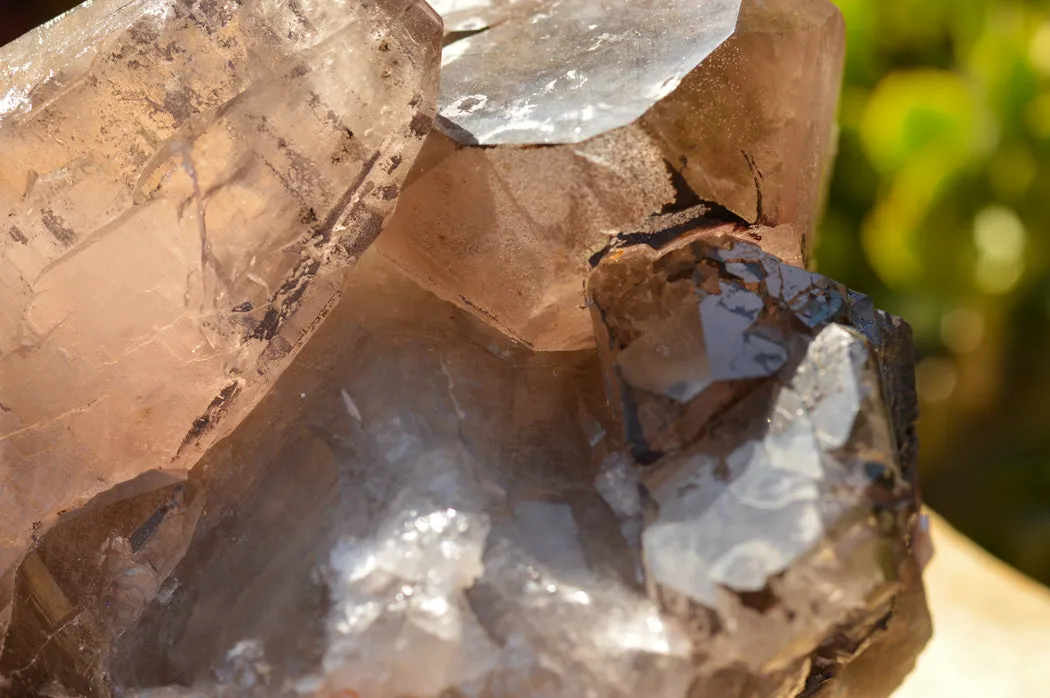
[
  {"x": 747, "y": 129},
  {"x": 183, "y": 186}
]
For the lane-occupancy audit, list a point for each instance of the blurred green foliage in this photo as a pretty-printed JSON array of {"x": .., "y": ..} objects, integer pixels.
[{"x": 940, "y": 208}]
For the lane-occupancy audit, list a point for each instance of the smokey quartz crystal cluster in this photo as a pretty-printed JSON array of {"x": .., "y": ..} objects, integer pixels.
[{"x": 375, "y": 349}]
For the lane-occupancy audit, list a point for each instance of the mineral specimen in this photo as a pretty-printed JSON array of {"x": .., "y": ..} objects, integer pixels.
[
  {"x": 421, "y": 507},
  {"x": 505, "y": 228},
  {"x": 182, "y": 185},
  {"x": 772, "y": 410},
  {"x": 709, "y": 491}
]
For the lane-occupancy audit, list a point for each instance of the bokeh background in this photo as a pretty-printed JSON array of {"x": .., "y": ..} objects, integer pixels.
[{"x": 940, "y": 209}]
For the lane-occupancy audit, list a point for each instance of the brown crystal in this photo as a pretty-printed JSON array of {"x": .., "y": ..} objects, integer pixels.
[
  {"x": 753, "y": 126},
  {"x": 719, "y": 499},
  {"x": 420, "y": 505},
  {"x": 506, "y": 230},
  {"x": 806, "y": 512},
  {"x": 183, "y": 185}
]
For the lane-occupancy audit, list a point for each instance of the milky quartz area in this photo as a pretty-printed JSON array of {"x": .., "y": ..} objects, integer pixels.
[{"x": 181, "y": 185}]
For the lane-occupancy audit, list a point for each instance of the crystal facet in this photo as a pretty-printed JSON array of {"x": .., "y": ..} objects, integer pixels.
[
  {"x": 708, "y": 490},
  {"x": 753, "y": 126},
  {"x": 586, "y": 70},
  {"x": 183, "y": 186},
  {"x": 505, "y": 230},
  {"x": 422, "y": 507},
  {"x": 772, "y": 412}
]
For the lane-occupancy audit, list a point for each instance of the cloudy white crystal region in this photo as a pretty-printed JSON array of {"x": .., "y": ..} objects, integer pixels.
[
  {"x": 568, "y": 70},
  {"x": 401, "y": 623},
  {"x": 738, "y": 531}
]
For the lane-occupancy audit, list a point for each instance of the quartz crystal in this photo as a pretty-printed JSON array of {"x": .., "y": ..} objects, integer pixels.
[
  {"x": 422, "y": 507},
  {"x": 182, "y": 185},
  {"x": 772, "y": 410},
  {"x": 578, "y": 425},
  {"x": 587, "y": 70},
  {"x": 750, "y": 128}
]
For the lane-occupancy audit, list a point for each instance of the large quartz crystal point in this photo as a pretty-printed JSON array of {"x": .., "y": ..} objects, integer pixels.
[
  {"x": 636, "y": 116},
  {"x": 770, "y": 414},
  {"x": 419, "y": 507},
  {"x": 182, "y": 183}
]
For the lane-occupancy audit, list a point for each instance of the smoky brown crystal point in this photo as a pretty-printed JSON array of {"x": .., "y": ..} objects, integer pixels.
[
  {"x": 579, "y": 423},
  {"x": 182, "y": 186}
]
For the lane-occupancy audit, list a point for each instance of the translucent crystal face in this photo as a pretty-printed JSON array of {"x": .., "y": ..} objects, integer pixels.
[
  {"x": 749, "y": 128},
  {"x": 700, "y": 335},
  {"x": 578, "y": 69},
  {"x": 716, "y": 500},
  {"x": 736, "y": 521},
  {"x": 182, "y": 186}
]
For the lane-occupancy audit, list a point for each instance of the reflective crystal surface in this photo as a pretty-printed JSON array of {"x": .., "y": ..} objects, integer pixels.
[
  {"x": 772, "y": 410},
  {"x": 182, "y": 187},
  {"x": 588, "y": 68},
  {"x": 422, "y": 507},
  {"x": 749, "y": 128},
  {"x": 579, "y": 424}
]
